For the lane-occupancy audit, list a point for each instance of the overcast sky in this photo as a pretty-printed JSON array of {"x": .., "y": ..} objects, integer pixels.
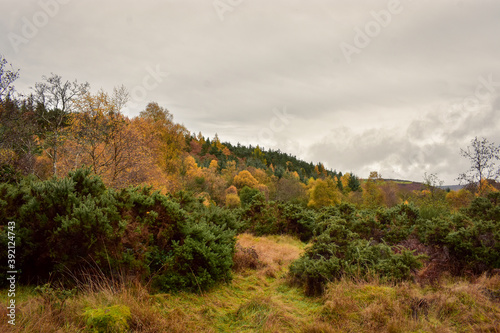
[{"x": 391, "y": 86}]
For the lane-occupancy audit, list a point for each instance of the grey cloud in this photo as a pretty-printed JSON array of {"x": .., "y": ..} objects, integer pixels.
[{"x": 396, "y": 106}]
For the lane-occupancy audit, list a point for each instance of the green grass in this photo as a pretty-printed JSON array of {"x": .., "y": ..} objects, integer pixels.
[{"x": 262, "y": 300}]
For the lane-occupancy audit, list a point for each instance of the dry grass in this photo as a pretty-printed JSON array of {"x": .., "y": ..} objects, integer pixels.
[
  {"x": 259, "y": 299},
  {"x": 452, "y": 306},
  {"x": 275, "y": 253}
]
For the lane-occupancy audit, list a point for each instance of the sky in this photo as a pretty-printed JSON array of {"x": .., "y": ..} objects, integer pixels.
[{"x": 397, "y": 87}]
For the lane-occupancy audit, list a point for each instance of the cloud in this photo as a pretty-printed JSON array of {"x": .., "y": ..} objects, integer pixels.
[
  {"x": 398, "y": 106},
  {"x": 428, "y": 144}
]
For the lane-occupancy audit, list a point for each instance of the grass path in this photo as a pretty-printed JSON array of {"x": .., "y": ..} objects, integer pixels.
[
  {"x": 255, "y": 300},
  {"x": 261, "y": 300}
]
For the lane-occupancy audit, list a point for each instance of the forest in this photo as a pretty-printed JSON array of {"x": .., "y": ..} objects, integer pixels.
[{"x": 107, "y": 210}]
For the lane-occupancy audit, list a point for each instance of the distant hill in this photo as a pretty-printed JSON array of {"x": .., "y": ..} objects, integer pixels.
[
  {"x": 407, "y": 185},
  {"x": 452, "y": 187},
  {"x": 412, "y": 186}
]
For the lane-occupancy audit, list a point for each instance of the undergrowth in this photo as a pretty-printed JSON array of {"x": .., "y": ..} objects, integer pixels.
[{"x": 261, "y": 298}]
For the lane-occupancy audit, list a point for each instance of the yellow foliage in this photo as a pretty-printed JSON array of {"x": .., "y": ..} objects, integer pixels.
[
  {"x": 323, "y": 193},
  {"x": 259, "y": 175},
  {"x": 373, "y": 196},
  {"x": 7, "y": 156},
  {"x": 230, "y": 171},
  {"x": 213, "y": 166},
  {"x": 233, "y": 200},
  {"x": 164, "y": 137},
  {"x": 207, "y": 201},
  {"x": 345, "y": 181},
  {"x": 459, "y": 199},
  {"x": 245, "y": 178},
  {"x": 217, "y": 144},
  {"x": 485, "y": 188}
]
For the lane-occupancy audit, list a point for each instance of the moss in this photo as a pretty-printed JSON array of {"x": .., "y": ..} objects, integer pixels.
[{"x": 108, "y": 319}]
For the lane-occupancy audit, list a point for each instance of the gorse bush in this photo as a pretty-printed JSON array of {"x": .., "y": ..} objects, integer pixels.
[
  {"x": 65, "y": 225},
  {"x": 338, "y": 252},
  {"x": 59, "y": 222},
  {"x": 470, "y": 238},
  {"x": 272, "y": 218}
]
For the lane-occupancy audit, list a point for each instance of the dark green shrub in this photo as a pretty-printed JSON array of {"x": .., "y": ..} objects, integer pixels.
[
  {"x": 494, "y": 198},
  {"x": 182, "y": 250},
  {"x": 435, "y": 231},
  {"x": 247, "y": 195},
  {"x": 479, "y": 208},
  {"x": 397, "y": 223},
  {"x": 476, "y": 247},
  {"x": 54, "y": 298},
  {"x": 60, "y": 223},
  {"x": 336, "y": 251},
  {"x": 65, "y": 226},
  {"x": 367, "y": 226},
  {"x": 297, "y": 221},
  {"x": 470, "y": 243},
  {"x": 201, "y": 259},
  {"x": 261, "y": 217}
]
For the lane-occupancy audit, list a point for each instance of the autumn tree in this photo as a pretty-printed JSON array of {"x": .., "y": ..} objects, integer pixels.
[
  {"x": 232, "y": 198},
  {"x": 57, "y": 99},
  {"x": 245, "y": 178},
  {"x": 19, "y": 132},
  {"x": 99, "y": 130},
  {"x": 432, "y": 183},
  {"x": 165, "y": 137},
  {"x": 230, "y": 171},
  {"x": 289, "y": 187},
  {"x": 139, "y": 160},
  {"x": 215, "y": 183},
  {"x": 482, "y": 156},
  {"x": 92, "y": 127},
  {"x": 459, "y": 199},
  {"x": 323, "y": 192},
  {"x": 373, "y": 196},
  {"x": 390, "y": 191},
  {"x": 258, "y": 155},
  {"x": 344, "y": 180},
  {"x": 320, "y": 171}
]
